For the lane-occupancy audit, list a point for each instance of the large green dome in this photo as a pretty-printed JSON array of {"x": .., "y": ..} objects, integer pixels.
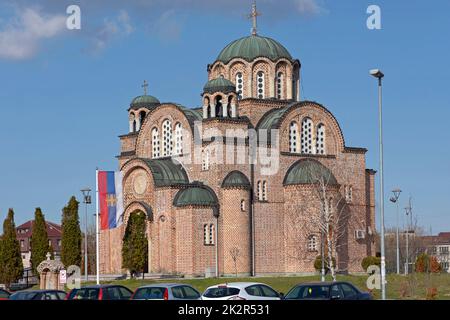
[{"x": 252, "y": 47}]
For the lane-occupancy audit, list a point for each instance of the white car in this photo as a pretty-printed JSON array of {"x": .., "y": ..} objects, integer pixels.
[{"x": 240, "y": 291}]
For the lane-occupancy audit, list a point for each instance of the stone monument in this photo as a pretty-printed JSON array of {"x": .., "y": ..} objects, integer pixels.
[{"x": 49, "y": 274}]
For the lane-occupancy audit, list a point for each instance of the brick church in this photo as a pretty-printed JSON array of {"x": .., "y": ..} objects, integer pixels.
[{"x": 213, "y": 204}]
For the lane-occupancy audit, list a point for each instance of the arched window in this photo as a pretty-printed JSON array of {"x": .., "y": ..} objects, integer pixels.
[
  {"x": 240, "y": 85},
  {"x": 280, "y": 82},
  {"x": 312, "y": 243},
  {"x": 293, "y": 137},
  {"x": 155, "y": 143},
  {"x": 229, "y": 111},
  {"x": 307, "y": 146},
  {"x": 142, "y": 115},
  {"x": 264, "y": 191},
  {"x": 178, "y": 139},
  {"x": 211, "y": 233},
  {"x": 320, "y": 139},
  {"x": 132, "y": 122},
  {"x": 260, "y": 85},
  {"x": 134, "y": 126},
  {"x": 219, "y": 106},
  {"x": 205, "y": 234},
  {"x": 259, "y": 190},
  {"x": 243, "y": 205},
  {"x": 348, "y": 190},
  {"x": 167, "y": 138},
  {"x": 205, "y": 160}
]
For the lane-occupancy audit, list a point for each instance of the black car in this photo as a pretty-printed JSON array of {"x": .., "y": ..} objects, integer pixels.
[
  {"x": 100, "y": 292},
  {"x": 38, "y": 295},
  {"x": 4, "y": 295},
  {"x": 338, "y": 290}
]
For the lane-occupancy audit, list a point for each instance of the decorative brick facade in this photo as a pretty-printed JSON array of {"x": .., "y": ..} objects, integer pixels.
[{"x": 251, "y": 218}]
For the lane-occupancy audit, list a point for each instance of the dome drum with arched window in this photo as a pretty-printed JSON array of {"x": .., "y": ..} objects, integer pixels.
[
  {"x": 266, "y": 68},
  {"x": 139, "y": 107},
  {"x": 219, "y": 99}
]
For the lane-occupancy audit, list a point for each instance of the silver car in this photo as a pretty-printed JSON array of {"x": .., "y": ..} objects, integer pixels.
[
  {"x": 241, "y": 291},
  {"x": 166, "y": 291}
]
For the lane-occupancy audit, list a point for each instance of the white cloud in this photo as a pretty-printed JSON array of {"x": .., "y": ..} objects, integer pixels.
[
  {"x": 120, "y": 26},
  {"x": 168, "y": 26},
  {"x": 308, "y": 6},
  {"x": 21, "y": 37}
]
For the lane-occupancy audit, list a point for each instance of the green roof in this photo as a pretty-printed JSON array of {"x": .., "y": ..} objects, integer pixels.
[
  {"x": 251, "y": 47},
  {"x": 308, "y": 171},
  {"x": 167, "y": 172},
  {"x": 144, "y": 101},
  {"x": 219, "y": 85},
  {"x": 236, "y": 179},
  {"x": 191, "y": 114},
  {"x": 195, "y": 195},
  {"x": 272, "y": 118}
]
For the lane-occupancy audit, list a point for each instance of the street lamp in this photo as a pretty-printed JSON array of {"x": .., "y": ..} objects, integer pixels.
[
  {"x": 379, "y": 75},
  {"x": 86, "y": 200},
  {"x": 408, "y": 211},
  {"x": 394, "y": 199}
]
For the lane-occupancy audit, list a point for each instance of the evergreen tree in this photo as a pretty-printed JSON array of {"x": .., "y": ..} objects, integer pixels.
[
  {"x": 39, "y": 241},
  {"x": 135, "y": 244},
  {"x": 71, "y": 235},
  {"x": 11, "y": 267}
]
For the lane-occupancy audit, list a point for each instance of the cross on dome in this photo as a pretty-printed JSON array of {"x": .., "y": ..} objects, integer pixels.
[
  {"x": 254, "y": 16},
  {"x": 145, "y": 85}
]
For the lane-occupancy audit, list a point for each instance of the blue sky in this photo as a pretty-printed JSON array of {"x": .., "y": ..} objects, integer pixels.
[{"x": 64, "y": 94}]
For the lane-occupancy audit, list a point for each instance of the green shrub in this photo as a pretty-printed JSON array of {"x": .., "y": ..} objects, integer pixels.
[
  {"x": 318, "y": 264},
  {"x": 369, "y": 261}
]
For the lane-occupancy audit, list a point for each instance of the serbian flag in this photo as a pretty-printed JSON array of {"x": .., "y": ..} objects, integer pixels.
[{"x": 110, "y": 199}]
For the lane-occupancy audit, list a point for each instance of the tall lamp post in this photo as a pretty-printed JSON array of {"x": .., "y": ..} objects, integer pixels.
[
  {"x": 394, "y": 199},
  {"x": 408, "y": 211},
  {"x": 86, "y": 200},
  {"x": 379, "y": 75}
]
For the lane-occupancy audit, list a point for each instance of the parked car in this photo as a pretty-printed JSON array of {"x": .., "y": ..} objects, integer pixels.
[
  {"x": 327, "y": 291},
  {"x": 100, "y": 292},
  {"x": 166, "y": 291},
  {"x": 4, "y": 295},
  {"x": 38, "y": 295},
  {"x": 241, "y": 291}
]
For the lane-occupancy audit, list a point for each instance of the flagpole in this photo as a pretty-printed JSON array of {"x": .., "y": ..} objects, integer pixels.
[{"x": 97, "y": 249}]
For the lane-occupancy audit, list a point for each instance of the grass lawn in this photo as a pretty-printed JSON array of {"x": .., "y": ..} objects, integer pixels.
[{"x": 398, "y": 286}]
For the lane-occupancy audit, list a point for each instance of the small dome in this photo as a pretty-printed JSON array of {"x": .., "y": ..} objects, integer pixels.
[
  {"x": 144, "y": 101},
  {"x": 307, "y": 172},
  {"x": 219, "y": 85},
  {"x": 252, "y": 47},
  {"x": 195, "y": 195},
  {"x": 236, "y": 179}
]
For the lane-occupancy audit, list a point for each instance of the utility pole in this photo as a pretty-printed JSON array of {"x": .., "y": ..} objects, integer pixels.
[
  {"x": 86, "y": 200},
  {"x": 379, "y": 75},
  {"x": 408, "y": 211},
  {"x": 394, "y": 199}
]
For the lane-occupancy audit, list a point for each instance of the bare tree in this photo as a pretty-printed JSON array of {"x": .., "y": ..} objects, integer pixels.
[
  {"x": 327, "y": 214},
  {"x": 235, "y": 254}
]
